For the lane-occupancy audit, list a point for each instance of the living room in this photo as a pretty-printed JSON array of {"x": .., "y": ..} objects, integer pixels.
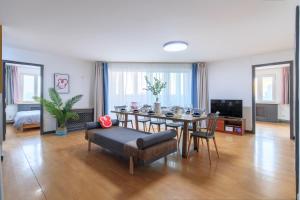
[{"x": 178, "y": 76}]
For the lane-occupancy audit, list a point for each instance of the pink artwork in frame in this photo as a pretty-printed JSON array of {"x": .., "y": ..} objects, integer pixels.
[{"x": 61, "y": 83}]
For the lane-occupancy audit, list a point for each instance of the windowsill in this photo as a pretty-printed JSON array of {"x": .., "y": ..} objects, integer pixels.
[
  {"x": 27, "y": 102},
  {"x": 267, "y": 102}
]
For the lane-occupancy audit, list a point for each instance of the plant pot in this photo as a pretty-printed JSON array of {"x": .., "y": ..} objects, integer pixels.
[
  {"x": 61, "y": 131},
  {"x": 157, "y": 108}
]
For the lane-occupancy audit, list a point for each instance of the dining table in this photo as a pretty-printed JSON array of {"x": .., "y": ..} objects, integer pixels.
[{"x": 186, "y": 119}]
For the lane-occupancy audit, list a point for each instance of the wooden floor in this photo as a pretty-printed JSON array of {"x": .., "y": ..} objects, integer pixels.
[{"x": 257, "y": 166}]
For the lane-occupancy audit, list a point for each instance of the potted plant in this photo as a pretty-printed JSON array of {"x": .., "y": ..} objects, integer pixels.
[
  {"x": 60, "y": 111},
  {"x": 155, "y": 88}
]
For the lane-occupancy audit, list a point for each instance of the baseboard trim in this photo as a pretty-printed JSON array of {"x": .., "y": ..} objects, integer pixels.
[
  {"x": 284, "y": 121},
  {"x": 48, "y": 132}
]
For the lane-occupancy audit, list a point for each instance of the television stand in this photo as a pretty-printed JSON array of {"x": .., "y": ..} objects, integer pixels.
[{"x": 232, "y": 125}]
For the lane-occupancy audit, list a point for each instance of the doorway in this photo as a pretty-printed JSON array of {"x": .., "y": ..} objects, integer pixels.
[
  {"x": 272, "y": 97},
  {"x": 22, "y": 114}
]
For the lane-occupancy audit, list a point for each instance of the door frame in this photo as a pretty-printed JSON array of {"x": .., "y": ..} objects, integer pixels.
[
  {"x": 4, "y": 62},
  {"x": 291, "y": 90}
]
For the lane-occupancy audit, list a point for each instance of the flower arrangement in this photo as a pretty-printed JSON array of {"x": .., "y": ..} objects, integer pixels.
[{"x": 156, "y": 87}]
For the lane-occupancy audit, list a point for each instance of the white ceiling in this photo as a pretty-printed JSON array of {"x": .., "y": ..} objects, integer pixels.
[{"x": 135, "y": 30}]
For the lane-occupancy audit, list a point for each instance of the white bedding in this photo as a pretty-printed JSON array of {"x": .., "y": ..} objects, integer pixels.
[{"x": 27, "y": 117}]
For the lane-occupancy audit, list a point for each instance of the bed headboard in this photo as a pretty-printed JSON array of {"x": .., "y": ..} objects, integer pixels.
[{"x": 28, "y": 107}]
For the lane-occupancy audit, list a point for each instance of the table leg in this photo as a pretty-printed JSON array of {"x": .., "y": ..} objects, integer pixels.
[
  {"x": 126, "y": 120},
  {"x": 195, "y": 139},
  {"x": 184, "y": 139},
  {"x": 136, "y": 122}
]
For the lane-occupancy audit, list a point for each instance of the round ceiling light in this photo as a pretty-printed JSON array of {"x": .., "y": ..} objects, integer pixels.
[{"x": 174, "y": 46}]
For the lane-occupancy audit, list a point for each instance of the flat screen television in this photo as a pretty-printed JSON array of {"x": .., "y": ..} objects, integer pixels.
[{"x": 227, "y": 108}]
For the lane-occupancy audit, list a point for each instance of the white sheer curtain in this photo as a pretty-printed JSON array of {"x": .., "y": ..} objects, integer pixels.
[{"x": 127, "y": 83}]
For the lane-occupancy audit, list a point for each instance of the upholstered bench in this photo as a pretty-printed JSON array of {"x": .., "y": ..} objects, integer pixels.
[{"x": 137, "y": 146}]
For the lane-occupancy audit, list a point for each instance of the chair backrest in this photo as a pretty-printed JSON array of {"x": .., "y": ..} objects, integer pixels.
[
  {"x": 212, "y": 123},
  {"x": 118, "y": 109}
]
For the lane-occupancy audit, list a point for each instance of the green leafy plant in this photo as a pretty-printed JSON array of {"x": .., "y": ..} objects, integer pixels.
[
  {"x": 156, "y": 88},
  {"x": 59, "y": 110}
]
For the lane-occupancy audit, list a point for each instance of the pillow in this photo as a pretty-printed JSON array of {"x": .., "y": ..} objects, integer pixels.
[
  {"x": 105, "y": 121},
  {"x": 143, "y": 143}
]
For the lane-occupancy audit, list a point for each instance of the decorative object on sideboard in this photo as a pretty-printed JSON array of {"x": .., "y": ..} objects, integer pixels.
[
  {"x": 62, "y": 112},
  {"x": 155, "y": 88},
  {"x": 62, "y": 83}
]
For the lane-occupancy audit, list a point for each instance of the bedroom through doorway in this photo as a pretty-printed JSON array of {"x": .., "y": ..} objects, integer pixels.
[{"x": 23, "y": 116}]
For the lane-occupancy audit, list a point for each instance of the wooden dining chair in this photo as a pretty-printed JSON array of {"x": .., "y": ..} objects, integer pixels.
[
  {"x": 144, "y": 121},
  {"x": 121, "y": 117},
  {"x": 190, "y": 126},
  {"x": 207, "y": 134},
  {"x": 176, "y": 126},
  {"x": 158, "y": 123}
]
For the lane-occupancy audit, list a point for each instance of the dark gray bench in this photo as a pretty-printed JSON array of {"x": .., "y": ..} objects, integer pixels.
[{"x": 139, "y": 147}]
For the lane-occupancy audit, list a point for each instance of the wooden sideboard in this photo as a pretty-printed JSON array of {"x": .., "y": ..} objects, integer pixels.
[{"x": 232, "y": 125}]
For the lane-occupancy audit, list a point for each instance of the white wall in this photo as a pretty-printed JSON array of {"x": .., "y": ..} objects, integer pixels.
[
  {"x": 80, "y": 72},
  {"x": 232, "y": 79}
]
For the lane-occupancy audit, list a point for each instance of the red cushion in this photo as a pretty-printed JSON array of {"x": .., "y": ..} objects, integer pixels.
[{"x": 105, "y": 121}]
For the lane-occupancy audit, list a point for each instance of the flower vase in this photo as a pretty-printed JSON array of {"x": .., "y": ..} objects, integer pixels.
[{"x": 157, "y": 107}]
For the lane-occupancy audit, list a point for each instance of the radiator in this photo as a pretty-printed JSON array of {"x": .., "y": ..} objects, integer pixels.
[
  {"x": 85, "y": 115},
  {"x": 267, "y": 112}
]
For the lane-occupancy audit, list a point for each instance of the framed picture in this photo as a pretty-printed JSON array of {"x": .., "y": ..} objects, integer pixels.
[{"x": 61, "y": 83}]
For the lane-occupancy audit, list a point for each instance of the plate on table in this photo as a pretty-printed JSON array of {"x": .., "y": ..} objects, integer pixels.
[
  {"x": 151, "y": 113},
  {"x": 169, "y": 114},
  {"x": 135, "y": 111},
  {"x": 196, "y": 114}
]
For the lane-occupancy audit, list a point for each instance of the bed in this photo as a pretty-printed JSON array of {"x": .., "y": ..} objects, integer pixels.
[{"x": 27, "y": 117}]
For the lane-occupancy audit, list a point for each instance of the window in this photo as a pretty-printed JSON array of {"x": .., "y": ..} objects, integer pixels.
[
  {"x": 265, "y": 88},
  {"x": 30, "y": 86},
  {"x": 127, "y": 83}
]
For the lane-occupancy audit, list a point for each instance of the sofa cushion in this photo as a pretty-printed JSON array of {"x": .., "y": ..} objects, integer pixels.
[
  {"x": 115, "y": 138},
  {"x": 150, "y": 140},
  {"x": 94, "y": 125},
  {"x": 105, "y": 121}
]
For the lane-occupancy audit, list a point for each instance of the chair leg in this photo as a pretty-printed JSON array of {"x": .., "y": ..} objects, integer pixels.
[
  {"x": 188, "y": 155},
  {"x": 153, "y": 128},
  {"x": 158, "y": 127},
  {"x": 89, "y": 145},
  {"x": 181, "y": 131},
  {"x": 216, "y": 147},
  {"x": 207, "y": 142},
  {"x": 178, "y": 152},
  {"x": 144, "y": 126},
  {"x": 131, "y": 124},
  {"x": 131, "y": 165},
  {"x": 149, "y": 128},
  {"x": 202, "y": 141}
]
